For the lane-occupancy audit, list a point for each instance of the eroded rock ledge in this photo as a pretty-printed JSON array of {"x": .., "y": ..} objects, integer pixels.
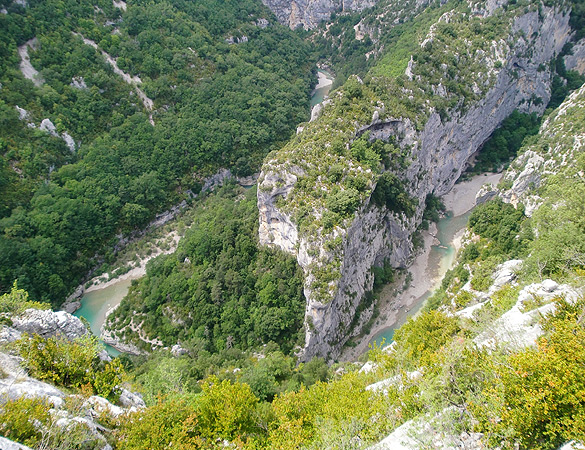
[{"x": 308, "y": 13}]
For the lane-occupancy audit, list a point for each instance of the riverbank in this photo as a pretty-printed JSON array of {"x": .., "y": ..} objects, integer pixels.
[
  {"x": 139, "y": 270},
  {"x": 103, "y": 296},
  {"x": 324, "y": 83},
  {"x": 425, "y": 273},
  {"x": 324, "y": 79}
]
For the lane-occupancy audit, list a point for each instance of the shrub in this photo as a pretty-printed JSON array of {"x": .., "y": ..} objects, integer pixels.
[
  {"x": 71, "y": 363},
  {"x": 16, "y": 301},
  {"x": 64, "y": 362},
  {"x": 422, "y": 336},
  {"x": 20, "y": 420}
]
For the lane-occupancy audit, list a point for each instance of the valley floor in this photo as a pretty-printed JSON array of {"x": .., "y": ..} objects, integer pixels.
[{"x": 425, "y": 272}]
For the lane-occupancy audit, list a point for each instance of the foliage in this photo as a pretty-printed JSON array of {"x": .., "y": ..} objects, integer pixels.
[
  {"x": 71, "y": 363},
  {"x": 328, "y": 415},
  {"x": 559, "y": 224},
  {"x": 163, "y": 374},
  {"x": 215, "y": 105},
  {"x": 504, "y": 143},
  {"x": 155, "y": 427},
  {"x": 21, "y": 419},
  {"x": 540, "y": 390},
  {"x": 434, "y": 206},
  {"x": 224, "y": 410},
  {"x": 16, "y": 301},
  {"x": 421, "y": 337},
  {"x": 218, "y": 290},
  {"x": 501, "y": 224},
  {"x": 390, "y": 192},
  {"x": 106, "y": 382}
]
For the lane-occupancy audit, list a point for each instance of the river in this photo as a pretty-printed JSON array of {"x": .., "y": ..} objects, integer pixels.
[
  {"x": 441, "y": 259},
  {"x": 95, "y": 304},
  {"x": 323, "y": 87}
]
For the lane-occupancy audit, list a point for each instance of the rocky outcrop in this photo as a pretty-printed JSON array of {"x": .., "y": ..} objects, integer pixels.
[
  {"x": 48, "y": 127},
  {"x": 47, "y": 323},
  {"x": 16, "y": 383},
  {"x": 308, "y": 13},
  {"x": 560, "y": 142},
  {"x": 429, "y": 431},
  {"x": 27, "y": 69},
  {"x": 576, "y": 59},
  {"x": 438, "y": 153},
  {"x": 519, "y": 327}
]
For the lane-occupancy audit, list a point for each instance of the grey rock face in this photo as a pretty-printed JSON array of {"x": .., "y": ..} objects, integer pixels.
[
  {"x": 131, "y": 400},
  {"x": 47, "y": 323},
  {"x": 7, "y": 444},
  {"x": 439, "y": 153},
  {"x": 9, "y": 334},
  {"x": 576, "y": 60},
  {"x": 504, "y": 274},
  {"x": 308, "y": 13},
  {"x": 485, "y": 194},
  {"x": 17, "y": 383}
]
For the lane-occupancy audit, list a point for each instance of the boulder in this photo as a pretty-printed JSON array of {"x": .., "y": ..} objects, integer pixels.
[
  {"x": 98, "y": 405},
  {"x": 7, "y": 444},
  {"x": 16, "y": 383},
  {"x": 131, "y": 400}
]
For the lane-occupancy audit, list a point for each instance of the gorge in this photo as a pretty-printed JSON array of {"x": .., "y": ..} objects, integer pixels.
[
  {"x": 269, "y": 202},
  {"x": 439, "y": 146}
]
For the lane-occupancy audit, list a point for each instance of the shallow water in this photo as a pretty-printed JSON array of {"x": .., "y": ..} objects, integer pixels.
[
  {"x": 441, "y": 259},
  {"x": 320, "y": 93},
  {"x": 95, "y": 305}
]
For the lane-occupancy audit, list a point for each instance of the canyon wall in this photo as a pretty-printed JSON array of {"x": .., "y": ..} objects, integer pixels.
[
  {"x": 308, "y": 13},
  {"x": 438, "y": 153}
]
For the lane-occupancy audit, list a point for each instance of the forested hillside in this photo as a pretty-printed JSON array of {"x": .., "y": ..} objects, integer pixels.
[
  {"x": 218, "y": 290},
  {"x": 198, "y": 86},
  {"x": 127, "y": 108}
]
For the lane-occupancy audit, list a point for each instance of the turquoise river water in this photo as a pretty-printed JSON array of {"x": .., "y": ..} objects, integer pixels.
[
  {"x": 441, "y": 259},
  {"x": 320, "y": 93}
]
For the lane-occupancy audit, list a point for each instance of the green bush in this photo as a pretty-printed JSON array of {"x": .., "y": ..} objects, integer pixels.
[
  {"x": 16, "y": 301},
  {"x": 421, "y": 337},
  {"x": 71, "y": 363},
  {"x": 22, "y": 420}
]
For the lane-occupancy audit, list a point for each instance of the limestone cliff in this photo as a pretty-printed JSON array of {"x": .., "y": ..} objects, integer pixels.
[
  {"x": 308, "y": 13},
  {"x": 561, "y": 141},
  {"x": 436, "y": 135}
]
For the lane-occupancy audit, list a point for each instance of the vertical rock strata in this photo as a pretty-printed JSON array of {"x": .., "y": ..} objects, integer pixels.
[
  {"x": 438, "y": 153},
  {"x": 308, "y": 13}
]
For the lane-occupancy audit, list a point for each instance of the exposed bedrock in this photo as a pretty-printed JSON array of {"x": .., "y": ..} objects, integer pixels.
[
  {"x": 439, "y": 153},
  {"x": 308, "y": 13}
]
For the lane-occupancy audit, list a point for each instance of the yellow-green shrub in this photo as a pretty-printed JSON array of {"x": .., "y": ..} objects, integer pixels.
[{"x": 20, "y": 420}]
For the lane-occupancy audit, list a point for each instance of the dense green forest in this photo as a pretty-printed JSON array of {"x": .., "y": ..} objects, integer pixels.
[
  {"x": 218, "y": 290},
  {"x": 228, "y": 87},
  {"x": 215, "y": 104}
]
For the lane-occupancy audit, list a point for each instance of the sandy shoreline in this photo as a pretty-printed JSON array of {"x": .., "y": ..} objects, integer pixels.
[
  {"x": 324, "y": 80},
  {"x": 135, "y": 273},
  {"x": 425, "y": 276}
]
